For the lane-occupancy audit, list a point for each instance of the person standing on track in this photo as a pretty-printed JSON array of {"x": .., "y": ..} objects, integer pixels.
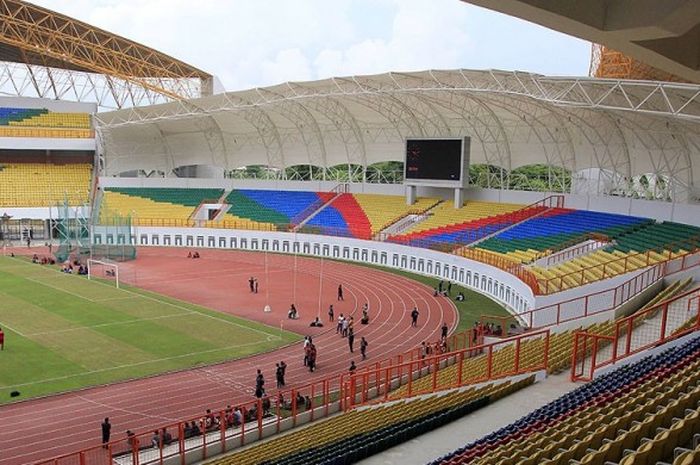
[
  {"x": 312, "y": 357},
  {"x": 251, "y": 283},
  {"x": 363, "y": 347},
  {"x": 352, "y": 367},
  {"x": 340, "y": 292},
  {"x": 351, "y": 339},
  {"x": 414, "y": 317},
  {"x": 283, "y": 369},
  {"x": 330, "y": 313},
  {"x": 106, "y": 430},
  {"x": 256, "y": 285},
  {"x": 444, "y": 330},
  {"x": 259, "y": 385},
  {"x": 278, "y": 375},
  {"x": 339, "y": 328}
]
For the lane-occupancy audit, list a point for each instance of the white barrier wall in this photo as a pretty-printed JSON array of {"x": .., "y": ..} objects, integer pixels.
[{"x": 490, "y": 281}]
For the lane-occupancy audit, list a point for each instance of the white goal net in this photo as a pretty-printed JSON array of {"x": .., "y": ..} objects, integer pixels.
[{"x": 103, "y": 270}]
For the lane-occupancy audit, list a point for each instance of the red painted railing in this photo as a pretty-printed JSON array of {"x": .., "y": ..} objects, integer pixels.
[
  {"x": 401, "y": 380},
  {"x": 633, "y": 334}
]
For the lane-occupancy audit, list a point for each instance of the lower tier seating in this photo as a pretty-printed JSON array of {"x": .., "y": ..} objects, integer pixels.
[
  {"x": 44, "y": 184},
  {"x": 352, "y": 436},
  {"x": 637, "y": 414}
]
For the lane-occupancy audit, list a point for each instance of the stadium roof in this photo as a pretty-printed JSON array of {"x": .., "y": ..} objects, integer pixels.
[
  {"x": 620, "y": 128},
  {"x": 663, "y": 34},
  {"x": 53, "y": 44}
]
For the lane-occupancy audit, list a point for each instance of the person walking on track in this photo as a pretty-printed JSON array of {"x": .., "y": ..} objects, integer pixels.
[
  {"x": 340, "y": 292},
  {"x": 330, "y": 313},
  {"x": 414, "y": 317},
  {"x": 363, "y": 347}
]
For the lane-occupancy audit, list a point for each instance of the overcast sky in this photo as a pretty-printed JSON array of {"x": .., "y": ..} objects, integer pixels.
[{"x": 251, "y": 43}]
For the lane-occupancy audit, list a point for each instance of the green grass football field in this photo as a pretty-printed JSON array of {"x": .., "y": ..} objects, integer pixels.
[{"x": 64, "y": 332}]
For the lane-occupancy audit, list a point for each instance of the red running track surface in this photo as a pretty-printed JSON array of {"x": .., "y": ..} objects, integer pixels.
[{"x": 47, "y": 427}]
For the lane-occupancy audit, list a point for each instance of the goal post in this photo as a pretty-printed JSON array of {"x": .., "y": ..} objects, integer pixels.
[{"x": 104, "y": 270}]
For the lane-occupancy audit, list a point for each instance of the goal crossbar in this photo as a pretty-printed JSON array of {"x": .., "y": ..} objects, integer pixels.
[{"x": 108, "y": 264}]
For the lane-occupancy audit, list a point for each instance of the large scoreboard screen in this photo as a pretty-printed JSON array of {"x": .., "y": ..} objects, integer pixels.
[{"x": 439, "y": 162}]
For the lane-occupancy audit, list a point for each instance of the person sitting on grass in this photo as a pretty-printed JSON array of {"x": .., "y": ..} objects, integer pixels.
[{"x": 460, "y": 297}]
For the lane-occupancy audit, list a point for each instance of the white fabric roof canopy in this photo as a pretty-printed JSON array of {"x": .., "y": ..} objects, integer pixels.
[{"x": 513, "y": 118}]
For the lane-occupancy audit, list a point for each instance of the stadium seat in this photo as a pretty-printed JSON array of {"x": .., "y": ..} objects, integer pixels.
[{"x": 44, "y": 184}]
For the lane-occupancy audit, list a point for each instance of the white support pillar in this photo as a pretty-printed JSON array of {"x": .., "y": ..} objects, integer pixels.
[
  {"x": 410, "y": 195},
  {"x": 459, "y": 197}
]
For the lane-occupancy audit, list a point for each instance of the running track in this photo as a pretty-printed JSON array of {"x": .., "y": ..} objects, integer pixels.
[{"x": 43, "y": 428}]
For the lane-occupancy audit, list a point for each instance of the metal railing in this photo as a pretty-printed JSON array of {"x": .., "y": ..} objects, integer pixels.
[{"x": 633, "y": 334}]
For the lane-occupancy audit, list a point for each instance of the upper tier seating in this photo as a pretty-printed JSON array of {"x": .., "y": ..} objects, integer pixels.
[
  {"x": 352, "y": 436},
  {"x": 475, "y": 220},
  {"x": 384, "y": 210},
  {"x": 271, "y": 206},
  {"x": 536, "y": 236},
  {"x": 363, "y": 215},
  {"x": 649, "y": 408},
  {"x": 649, "y": 244},
  {"x": 43, "y": 184},
  {"x": 36, "y": 122}
]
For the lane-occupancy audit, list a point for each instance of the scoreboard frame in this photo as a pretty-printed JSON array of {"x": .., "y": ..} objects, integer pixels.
[{"x": 448, "y": 183}]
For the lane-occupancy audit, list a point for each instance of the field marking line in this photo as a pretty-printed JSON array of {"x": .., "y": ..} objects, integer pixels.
[
  {"x": 103, "y": 325},
  {"x": 59, "y": 289},
  {"x": 131, "y": 365},
  {"x": 190, "y": 310},
  {"x": 109, "y": 299},
  {"x": 4, "y": 325}
]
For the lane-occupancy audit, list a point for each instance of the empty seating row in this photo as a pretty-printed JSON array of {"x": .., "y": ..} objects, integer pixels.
[
  {"x": 647, "y": 245},
  {"x": 649, "y": 407},
  {"x": 44, "y": 184},
  {"x": 485, "y": 219},
  {"x": 351, "y": 436},
  {"x": 545, "y": 233},
  {"x": 151, "y": 206}
]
